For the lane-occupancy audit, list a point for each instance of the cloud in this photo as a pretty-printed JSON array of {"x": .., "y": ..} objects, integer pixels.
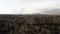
[
  {"x": 32, "y": 7},
  {"x": 27, "y": 6},
  {"x": 5, "y": 11},
  {"x": 7, "y": 6}
]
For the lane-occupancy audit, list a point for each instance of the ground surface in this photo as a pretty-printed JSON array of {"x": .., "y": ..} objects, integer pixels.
[{"x": 29, "y": 24}]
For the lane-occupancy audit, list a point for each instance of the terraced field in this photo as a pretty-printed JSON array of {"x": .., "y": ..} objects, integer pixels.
[{"x": 29, "y": 24}]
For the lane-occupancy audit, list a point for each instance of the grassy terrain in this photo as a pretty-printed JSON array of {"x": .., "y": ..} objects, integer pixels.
[{"x": 30, "y": 24}]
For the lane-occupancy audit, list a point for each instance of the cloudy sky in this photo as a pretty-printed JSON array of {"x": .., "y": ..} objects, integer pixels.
[{"x": 27, "y": 6}]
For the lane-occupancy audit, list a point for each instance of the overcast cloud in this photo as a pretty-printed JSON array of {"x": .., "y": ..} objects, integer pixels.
[{"x": 27, "y": 6}]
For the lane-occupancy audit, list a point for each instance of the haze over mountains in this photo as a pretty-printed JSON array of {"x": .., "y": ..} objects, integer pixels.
[
  {"x": 46, "y": 11},
  {"x": 50, "y": 11}
]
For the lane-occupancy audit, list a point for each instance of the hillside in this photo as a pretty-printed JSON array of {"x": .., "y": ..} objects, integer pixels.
[{"x": 30, "y": 24}]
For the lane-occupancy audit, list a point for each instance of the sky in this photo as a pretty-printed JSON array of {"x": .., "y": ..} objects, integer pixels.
[{"x": 27, "y": 6}]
